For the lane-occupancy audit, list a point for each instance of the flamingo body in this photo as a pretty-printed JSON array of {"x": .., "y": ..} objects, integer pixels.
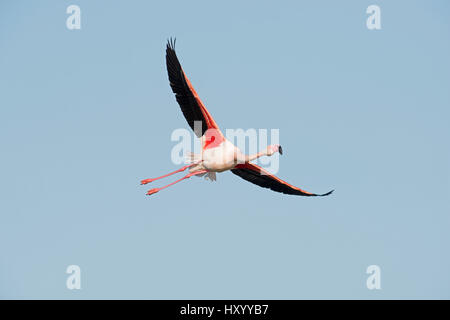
[{"x": 220, "y": 158}]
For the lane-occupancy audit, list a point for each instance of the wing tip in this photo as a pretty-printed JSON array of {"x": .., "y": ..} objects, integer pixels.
[
  {"x": 325, "y": 194},
  {"x": 171, "y": 43}
]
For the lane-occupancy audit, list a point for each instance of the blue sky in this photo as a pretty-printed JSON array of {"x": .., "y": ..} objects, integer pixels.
[{"x": 86, "y": 114}]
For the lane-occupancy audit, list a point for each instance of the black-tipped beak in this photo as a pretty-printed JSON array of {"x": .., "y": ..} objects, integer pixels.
[{"x": 280, "y": 150}]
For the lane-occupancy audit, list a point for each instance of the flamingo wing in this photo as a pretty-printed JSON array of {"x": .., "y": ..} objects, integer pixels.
[
  {"x": 192, "y": 107},
  {"x": 263, "y": 178}
]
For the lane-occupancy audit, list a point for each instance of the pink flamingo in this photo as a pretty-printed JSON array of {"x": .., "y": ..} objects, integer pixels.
[{"x": 218, "y": 153}]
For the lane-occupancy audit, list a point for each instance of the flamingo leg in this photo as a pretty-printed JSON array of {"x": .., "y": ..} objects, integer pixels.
[
  {"x": 155, "y": 190},
  {"x": 145, "y": 181}
]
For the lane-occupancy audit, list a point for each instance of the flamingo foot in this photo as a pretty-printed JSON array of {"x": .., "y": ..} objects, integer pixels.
[
  {"x": 145, "y": 181},
  {"x": 152, "y": 191}
]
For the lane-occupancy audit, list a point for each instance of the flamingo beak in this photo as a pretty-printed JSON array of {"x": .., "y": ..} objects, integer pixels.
[{"x": 280, "y": 150}]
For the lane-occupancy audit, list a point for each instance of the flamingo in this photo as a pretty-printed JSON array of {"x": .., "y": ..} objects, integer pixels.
[{"x": 218, "y": 153}]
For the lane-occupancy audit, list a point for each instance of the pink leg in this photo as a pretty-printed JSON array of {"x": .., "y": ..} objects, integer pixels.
[
  {"x": 145, "y": 181},
  {"x": 155, "y": 190}
]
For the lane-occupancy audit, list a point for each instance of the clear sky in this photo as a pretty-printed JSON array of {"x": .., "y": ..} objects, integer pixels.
[{"x": 86, "y": 114}]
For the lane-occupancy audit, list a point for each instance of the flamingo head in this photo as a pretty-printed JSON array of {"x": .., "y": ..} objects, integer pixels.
[{"x": 274, "y": 148}]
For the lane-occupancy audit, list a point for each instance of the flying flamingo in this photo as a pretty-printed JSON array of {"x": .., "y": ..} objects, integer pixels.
[{"x": 218, "y": 153}]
